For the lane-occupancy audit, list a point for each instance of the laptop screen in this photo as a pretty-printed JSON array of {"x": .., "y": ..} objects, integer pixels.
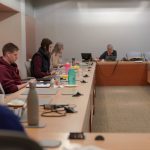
[
  {"x": 86, "y": 56},
  {"x": 110, "y": 58}
]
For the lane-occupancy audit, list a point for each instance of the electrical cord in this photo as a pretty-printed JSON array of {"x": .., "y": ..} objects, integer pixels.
[
  {"x": 113, "y": 70},
  {"x": 54, "y": 113},
  {"x": 53, "y": 110}
]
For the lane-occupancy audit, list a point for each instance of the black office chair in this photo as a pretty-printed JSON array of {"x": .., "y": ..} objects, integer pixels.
[{"x": 12, "y": 140}]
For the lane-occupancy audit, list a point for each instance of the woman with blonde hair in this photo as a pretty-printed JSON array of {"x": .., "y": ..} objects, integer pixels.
[{"x": 56, "y": 54}]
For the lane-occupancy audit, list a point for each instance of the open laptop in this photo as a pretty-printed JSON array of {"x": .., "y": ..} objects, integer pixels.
[
  {"x": 110, "y": 58},
  {"x": 86, "y": 57}
]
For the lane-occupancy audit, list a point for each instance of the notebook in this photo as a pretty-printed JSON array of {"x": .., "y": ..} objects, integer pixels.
[
  {"x": 41, "y": 85},
  {"x": 22, "y": 101},
  {"x": 68, "y": 91},
  {"x": 42, "y": 91}
]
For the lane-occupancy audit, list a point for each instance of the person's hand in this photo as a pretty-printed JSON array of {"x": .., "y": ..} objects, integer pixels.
[
  {"x": 96, "y": 59},
  {"x": 32, "y": 81},
  {"x": 60, "y": 65},
  {"x": 53, "y": 72}
]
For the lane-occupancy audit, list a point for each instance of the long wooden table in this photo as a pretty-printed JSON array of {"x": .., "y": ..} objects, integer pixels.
[
  {"x": 106, "y": 74},
  {"x": 113, "y": 141},
  {"x": 80, "y": 121},
  {"x": 120, "y": 73}
]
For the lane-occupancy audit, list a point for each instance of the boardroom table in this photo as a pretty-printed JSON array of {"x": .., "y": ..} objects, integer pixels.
[
  {"x": 122, "y": 73},
  {"x": 106, "y": 73},
  {"x": 112, "y": 141},
  {"x": 84, "y": 105}
]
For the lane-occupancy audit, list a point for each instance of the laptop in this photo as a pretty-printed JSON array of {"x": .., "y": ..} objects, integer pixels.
[
  {"x": 110, "y": 58},
  {"x": 86, "y": 57}
]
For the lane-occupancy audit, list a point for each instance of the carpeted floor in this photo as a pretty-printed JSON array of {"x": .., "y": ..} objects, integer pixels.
[{"x": 122, "y": 109}]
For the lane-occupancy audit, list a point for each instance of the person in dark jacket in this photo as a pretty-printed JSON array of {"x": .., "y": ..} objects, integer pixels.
[
  {"x": 40, "y": 64},
  {"x": 9, "y": 73},
  {"x": 110, "y": 52},
  {"x": 9, "y": 121}
]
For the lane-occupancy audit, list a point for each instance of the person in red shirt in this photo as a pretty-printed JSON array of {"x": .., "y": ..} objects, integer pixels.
[
  {"x": 9, "y": 73},
  {"x": 40, "y": 64}
]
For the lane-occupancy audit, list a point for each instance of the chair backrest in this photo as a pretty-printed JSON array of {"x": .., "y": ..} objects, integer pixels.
[
  {"x": 28, "y": 68},
  {"x": 146, "y": 56},
  {"x": 131, "y": 55},
  {"x": 1, "y": 89},
  {"x": 12, "y": 140}
]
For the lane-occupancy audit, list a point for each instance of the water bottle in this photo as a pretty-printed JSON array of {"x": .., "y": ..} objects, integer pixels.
[
  {"x": 71, "y": 77},
  {"x": 67, "y": 67},
  {"x": 73, "y": 61},
  {"x": 32, "y": 106}
]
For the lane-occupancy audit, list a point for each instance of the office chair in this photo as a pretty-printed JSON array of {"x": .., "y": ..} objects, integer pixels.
[
  {"x": 1, "y": 89},
  {"x": 134, "y": 55},
  {"x": 28, "y": 67},
  {"x": 146, "y": 56},
  {"x": 12, "y": 140}
]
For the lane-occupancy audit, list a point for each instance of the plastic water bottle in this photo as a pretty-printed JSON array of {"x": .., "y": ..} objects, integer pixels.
[
  {"x": 71, "y": 77},
  {"x": 67, "y": 67},
  {"x": 73, "y": 61}
]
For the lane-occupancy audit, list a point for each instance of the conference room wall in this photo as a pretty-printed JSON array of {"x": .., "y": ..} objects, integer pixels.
[
  {"x": 88, "y": 26},
  {"x": 15, "y": 4},
  {"x": 12, "y": 29},
  {"x": 8, "y": 22},
  {"x": 30, "y": 29},
  {"x": 9, "y": 30}
]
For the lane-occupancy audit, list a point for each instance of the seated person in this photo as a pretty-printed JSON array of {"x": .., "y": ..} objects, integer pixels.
[
  {"x": 110, "y": 52},
  {"x": 56, "y": 55},
  {"x": 9, "y": 121},
  {"x": 40, "y": 64},
  {"x": 9, "y": 76}
]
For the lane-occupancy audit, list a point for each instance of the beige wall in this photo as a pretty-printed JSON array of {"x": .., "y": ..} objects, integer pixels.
[
  {"x": 89, "y": 25},
  {"x": 30, "y": 36},
  {"x": 15, "y": 4},
  {"x": 12, "y": 29},
  {"x": 82, "y": 25},
  {"x": 30, "y": 29}
]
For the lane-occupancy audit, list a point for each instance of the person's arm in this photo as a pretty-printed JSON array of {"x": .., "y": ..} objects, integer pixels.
[
  {"x": 37, "y": 67},
  {"x": 103, "y": 56},
  {"x": 21, "y": 86},
  {"x": 55, "y": 60},
  {"x": 8, "y": 82}
]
